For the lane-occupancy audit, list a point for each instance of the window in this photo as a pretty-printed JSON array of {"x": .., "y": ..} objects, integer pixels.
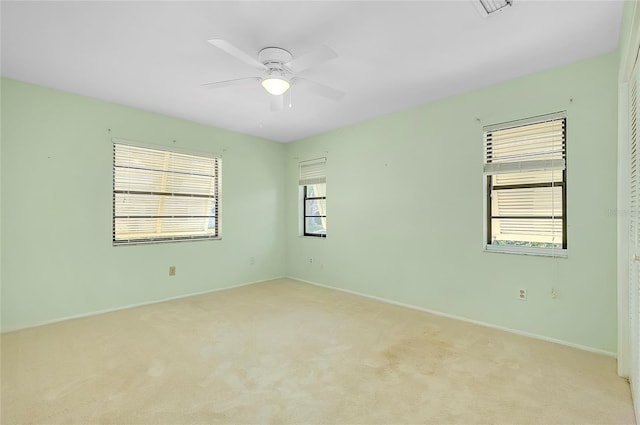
[
  {"x": 163, "y": 196},
  {"x": 315, "y": 210},
  {"x": 314, "y": 198},
  {"x": 526, "y": 192}
]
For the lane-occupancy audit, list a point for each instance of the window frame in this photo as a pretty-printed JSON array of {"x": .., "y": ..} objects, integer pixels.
[
  {"x": 216, "y": 197},
  {"x": 489, "y": 189},
  {"x": 306, "y": 198},
  {"x": 310, "y": 172}
]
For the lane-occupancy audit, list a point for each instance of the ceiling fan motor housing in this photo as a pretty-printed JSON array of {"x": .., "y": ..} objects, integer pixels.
[{"x": 274, "y": 58}]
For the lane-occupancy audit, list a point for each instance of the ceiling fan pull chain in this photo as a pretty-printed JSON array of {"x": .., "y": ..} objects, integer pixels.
[{"x": 290, "y": 96}]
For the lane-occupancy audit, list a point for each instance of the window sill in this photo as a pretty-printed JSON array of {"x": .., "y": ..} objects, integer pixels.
[
  {"x": 163, "y": 241},
  {"x": 525, "y": 250}
]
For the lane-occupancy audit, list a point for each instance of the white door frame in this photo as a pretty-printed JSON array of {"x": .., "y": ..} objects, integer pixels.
[
  {"x": 623, "y": 210},
  {"x": 627, "y": 356}
]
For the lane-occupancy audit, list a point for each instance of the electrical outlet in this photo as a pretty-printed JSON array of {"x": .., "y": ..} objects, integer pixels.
[
  {"x": 522, "y": 295},
  {"x": 310, "y": 260},
  {"x": 252, "y": 261},
  {"x": 554, "y": 293},
  {"x": 172, "y": 270}
]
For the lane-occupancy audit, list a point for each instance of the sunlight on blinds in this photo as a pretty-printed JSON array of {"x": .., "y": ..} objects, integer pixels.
[
  {"x": 164, "y": 196},
  {"x": 525, "y": 163}
]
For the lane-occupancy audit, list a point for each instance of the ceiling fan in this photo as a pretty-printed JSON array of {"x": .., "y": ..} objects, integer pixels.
[{"x": 279, "y": 71}]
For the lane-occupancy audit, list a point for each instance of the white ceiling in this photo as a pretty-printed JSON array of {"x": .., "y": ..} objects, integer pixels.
[{"x": 392, "y": 55}]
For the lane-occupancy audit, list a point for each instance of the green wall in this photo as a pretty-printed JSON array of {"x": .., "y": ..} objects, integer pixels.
[
  {"x": 57, "y": 257},
  {"x": 405, "y": 209}
]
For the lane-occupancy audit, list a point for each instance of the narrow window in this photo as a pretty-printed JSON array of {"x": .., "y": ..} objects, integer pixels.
[
  {"x": 164, "y": 196},
  {"x": 526, "y": 191},
  {"x": 315, "y": 210},
  {"x": 314, "y": 198}
]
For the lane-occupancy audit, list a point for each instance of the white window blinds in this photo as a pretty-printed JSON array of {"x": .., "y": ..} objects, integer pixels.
[
  {"x": 161, "y": 196},
  {"x": 313, "y": 171},
  {"x": 525, "y": 146},
  {"x": 524, "y": 163}
]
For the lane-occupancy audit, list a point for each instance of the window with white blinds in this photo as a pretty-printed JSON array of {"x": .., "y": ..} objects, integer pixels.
[
  {"x": 164, "y": 196},
  {"x": 312, "y": 180},
  {"x": 525, "y": 172},
  {"x": 313, "y": 171}
]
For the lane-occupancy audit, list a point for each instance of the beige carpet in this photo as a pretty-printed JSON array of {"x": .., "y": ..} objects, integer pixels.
[{"x": 284, "y": 352}]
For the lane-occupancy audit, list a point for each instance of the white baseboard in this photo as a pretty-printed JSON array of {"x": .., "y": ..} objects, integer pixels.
[
  {"x": 110, "y": 310},
  {"x": 464, "y": 319},
  {"x": 413, "y": 307}
]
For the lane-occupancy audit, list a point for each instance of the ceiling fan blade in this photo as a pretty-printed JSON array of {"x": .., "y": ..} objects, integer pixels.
[
  {"x": 277, "y": 103},
  {"x": 313, "y": 58},
  {"x": 232, "y": 50},
  {"x": 228, "y": 83},
  {"x": 320, "y": 89}
]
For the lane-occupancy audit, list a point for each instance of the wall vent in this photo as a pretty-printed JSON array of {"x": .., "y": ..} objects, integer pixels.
[{"x": 487, "y": 7}]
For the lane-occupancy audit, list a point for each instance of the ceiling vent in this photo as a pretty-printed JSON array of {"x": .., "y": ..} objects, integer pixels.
[{"x": 488, "y": 7}]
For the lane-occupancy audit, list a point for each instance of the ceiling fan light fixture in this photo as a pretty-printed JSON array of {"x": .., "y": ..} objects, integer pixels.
[{"x": 275, "y": 85}]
